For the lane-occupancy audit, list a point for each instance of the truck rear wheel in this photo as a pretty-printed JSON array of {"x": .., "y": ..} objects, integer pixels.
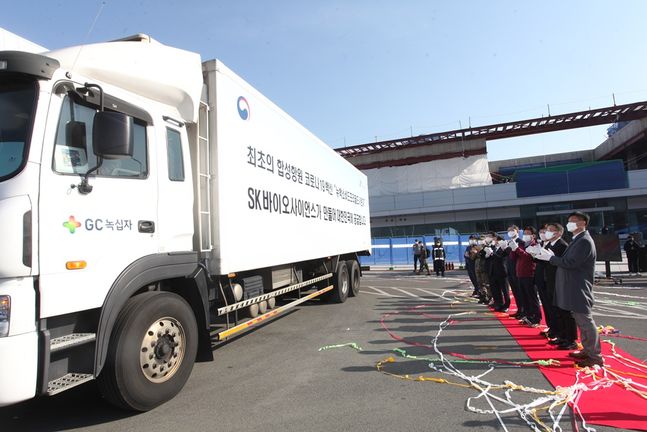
[
  {"x": 353, "y": 277},
  {"x": 151, "y": 352},
  {"x": 339, "y": 293}
]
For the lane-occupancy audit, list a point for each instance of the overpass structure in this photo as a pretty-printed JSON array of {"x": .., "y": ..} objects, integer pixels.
[{"x": 360, "y": 155}]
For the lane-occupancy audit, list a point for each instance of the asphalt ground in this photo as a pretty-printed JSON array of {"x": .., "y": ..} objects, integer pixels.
[{"x": 275, "y": 378}]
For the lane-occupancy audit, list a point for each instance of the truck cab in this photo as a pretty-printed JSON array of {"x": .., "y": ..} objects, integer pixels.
[{"x": 75, "y": 212}]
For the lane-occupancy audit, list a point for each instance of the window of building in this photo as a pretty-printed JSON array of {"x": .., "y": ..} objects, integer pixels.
[{"x": 175, "y": 157}]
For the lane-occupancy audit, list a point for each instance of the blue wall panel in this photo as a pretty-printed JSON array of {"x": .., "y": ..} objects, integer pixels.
[
  {"x": 604, "y": 176},
  {"x": 398, "y": 250},
  {"x": 539, "y": 183},
  {"x": 382, "y": 253}
]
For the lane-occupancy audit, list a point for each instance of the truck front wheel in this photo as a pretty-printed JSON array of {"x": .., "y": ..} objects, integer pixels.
[{"x": 151, "y": 352}]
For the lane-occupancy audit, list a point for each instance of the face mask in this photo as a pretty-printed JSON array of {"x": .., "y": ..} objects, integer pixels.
[
  {"x": 512, "y": 234},
  {"x": 527, "y": 238},
  {"x": 542, "y": 236},
  {"x": 481, "y": 242},
  {"x": 472, "y": 242},
  {"x": 549, "y": 235},
  {"x": 488, "y": 240},
  {"x": 571, "y": 226}
]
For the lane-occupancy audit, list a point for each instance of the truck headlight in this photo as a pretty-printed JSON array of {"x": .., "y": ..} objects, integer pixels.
[{"x": 5, "y": 315}]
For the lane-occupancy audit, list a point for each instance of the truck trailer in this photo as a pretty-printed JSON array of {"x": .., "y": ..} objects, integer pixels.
[{"x": 151, "y": 206}]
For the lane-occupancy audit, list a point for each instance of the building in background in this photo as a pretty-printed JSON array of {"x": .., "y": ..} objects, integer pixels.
[{"x": 438, "y": 186}]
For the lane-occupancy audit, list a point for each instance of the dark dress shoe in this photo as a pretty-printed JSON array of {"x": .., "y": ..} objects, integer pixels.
[
  {"x": 580, "y": 355},
  {"x": 589, "y": 362},
  {"x": 555, "y": 342}
]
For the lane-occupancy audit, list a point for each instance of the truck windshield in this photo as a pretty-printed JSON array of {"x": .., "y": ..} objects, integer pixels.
[{"x": 17, "y": 101}]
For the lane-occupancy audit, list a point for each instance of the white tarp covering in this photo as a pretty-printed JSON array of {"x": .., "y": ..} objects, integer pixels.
[
  {"x": 12, "y": 42},
  {"x": 428, "y": 176}
]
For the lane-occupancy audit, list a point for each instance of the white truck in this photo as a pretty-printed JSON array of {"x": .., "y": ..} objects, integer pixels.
[{"x": 152, "y": 205}]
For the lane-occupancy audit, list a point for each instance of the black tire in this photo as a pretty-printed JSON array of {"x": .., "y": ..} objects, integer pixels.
[
  {"x": 163, "y": 325},
  {"x": 353, "y": 277},
  {"x": 339, "y": 293}
]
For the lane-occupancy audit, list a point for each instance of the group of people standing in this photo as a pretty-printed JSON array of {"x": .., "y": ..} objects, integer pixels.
[
  {"x": 421, "y": 254},
  {"x": 545, "y": 274}
]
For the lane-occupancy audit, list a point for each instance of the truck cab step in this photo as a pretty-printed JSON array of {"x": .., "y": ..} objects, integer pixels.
[
  {"x": 66, "y": 382},
  {"x": 71, "y": 340}
]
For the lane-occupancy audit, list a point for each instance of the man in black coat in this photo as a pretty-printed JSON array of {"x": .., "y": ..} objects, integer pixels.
[
  {"x": 497, "y": 273},
  {"x": 540, "y": 282},
  {"x": 574, "y": 287},
  {"x": 632, "y": 249},
  {"x": 438, "y": 255},
  {"x": 563, "y": 331},
  {"x": 510, "y": 266},
  {"x": 469, "y": 264}
]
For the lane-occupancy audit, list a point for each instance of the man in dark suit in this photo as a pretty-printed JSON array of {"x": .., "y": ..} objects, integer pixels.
[
  {"x": 632, "y": 249},
  {"x": 498, "y": 283},
  {"x": 469, "y": 264},
  {"x": 563, "y": 330},
  {"x": 510, "y": 266},
  {"x": 574, "y": 287}
]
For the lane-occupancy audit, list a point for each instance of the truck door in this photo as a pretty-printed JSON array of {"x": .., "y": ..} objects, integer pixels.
[
  {"x": 175, "y": 203},
  {"x": 87, "y": 240}
]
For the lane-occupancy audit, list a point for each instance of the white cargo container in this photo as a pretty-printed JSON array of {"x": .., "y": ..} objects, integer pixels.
[
  {"x": 148, "y": 204},
  {"x": 293, "y": 199}
]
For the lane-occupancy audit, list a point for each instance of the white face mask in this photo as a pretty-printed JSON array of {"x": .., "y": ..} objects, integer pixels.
[
  {"x": 571, "y": 226},
  {"x": 542, "y": 236},
  {"x": 472, "y": 242},
  {"x": 488, "y": 240},
  {"x": 527, "y": 238},
  {"x": 549, "y": 235},
  {"x": 512, "y": 234}
]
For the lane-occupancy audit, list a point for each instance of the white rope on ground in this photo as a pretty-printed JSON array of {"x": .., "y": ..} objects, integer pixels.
[
  {"x": 525, "y": 411},
  {"x": 553, "y": 402}
]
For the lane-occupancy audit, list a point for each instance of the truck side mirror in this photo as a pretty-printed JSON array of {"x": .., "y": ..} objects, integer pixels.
[{"x": 112, "y": 135}]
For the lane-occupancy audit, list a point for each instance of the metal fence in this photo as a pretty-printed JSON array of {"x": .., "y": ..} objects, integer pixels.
[{"x": 398, "y": 251}]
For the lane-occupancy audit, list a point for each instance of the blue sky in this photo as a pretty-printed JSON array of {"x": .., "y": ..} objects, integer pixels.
[{"x": 354, "y": 71}]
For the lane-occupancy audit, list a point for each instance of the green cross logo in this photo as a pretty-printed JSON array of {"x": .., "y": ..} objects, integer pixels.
[{"x": 71, "y": 224}]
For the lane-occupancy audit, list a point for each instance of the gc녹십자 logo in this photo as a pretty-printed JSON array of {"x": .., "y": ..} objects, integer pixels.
[
  {"x": 243, "y": 108},
  {"x": 71, "y": 224}
]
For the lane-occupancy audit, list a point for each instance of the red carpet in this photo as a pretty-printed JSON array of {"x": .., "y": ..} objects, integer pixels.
[{"x": 613, "y": 405}]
